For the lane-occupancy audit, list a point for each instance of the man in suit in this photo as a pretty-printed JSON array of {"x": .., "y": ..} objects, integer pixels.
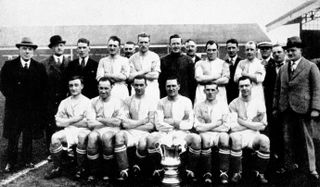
[
  {"x": 129, "y": 49},
  {"x": 177, "y": 64},
  {"x": 23, "y": 82},
  {"x": 297, "y": 101},
  {"x": 232, "y": 59},
  {"x": 274, "y": 128},
  {"x": 56, "y": 87},
  {"x": 86, "y": 67},
  {"x": 191, "y": 48}
]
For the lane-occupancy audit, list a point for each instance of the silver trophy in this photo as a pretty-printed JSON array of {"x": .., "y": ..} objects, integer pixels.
[{"x": 170, "y": 162}]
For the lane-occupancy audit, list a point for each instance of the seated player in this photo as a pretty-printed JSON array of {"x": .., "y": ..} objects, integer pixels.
[
  {"x": 251, "y": 119},
  {"x": 107, "y": 124},
  {"x": 136, "y": 124},
  {"x": 175, "y": 117},
  {"x": 75, "y": 115},
  {"x": 210, "y": 123}
]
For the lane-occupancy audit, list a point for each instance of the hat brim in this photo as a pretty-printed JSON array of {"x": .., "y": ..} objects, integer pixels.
[
  {"x": 265, "y": 46},
  {"x": 53, "y": 44},
  {"x": 291, "y": 46},
  {"x": 27, "y": 45}
]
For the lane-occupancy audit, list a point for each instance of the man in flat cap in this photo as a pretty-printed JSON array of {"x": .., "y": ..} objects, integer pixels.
[
  {"x": 297, "y": 102},
  {"x": 265, "y": 51},
  {"x": 23, "y": 82},
  {"x": 57, "y": 88}
]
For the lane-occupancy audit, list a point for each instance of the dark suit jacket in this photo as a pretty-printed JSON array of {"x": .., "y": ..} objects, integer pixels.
[
  {"x": 232, "y": 87},
  {"x": 57, "y": 88},
  {"x": 24, "y": 91},
  {"x": 301, "y": 91},
  {"x": 269, "y": 83},
  {"x": 179, "y": 65},
  {"x": 89, "y": 73}
]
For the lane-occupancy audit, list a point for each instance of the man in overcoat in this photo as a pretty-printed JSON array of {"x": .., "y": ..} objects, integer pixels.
[
  {"x": 297, "y": 101},
  {"x": 23, "y": 82},
  {"x": 57, "y": 88}
]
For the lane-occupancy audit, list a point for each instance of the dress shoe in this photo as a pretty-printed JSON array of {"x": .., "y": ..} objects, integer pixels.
[
  {"x": 314, "y": 177},
  {"x": 91, "y": 179},
  {"x": 8, "y": 168},
  {"x": 29, "y": 165},
  {"x": 54, "y": 173},
  {"x": 79, "y": 173}
]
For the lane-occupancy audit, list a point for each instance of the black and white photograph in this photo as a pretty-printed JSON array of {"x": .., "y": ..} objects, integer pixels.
[{"x": 159, "y": 93}]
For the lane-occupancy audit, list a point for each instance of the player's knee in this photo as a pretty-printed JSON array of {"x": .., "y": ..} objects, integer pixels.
[
  {"x": 224, "y": 140},
  {"x": 151, "y": 141},
  {"x": 55, "y": 138},
  {"x": 194, "y": 140},
  {"x": 107, "y": 138},
  {"x": 82, "y": 138},
  {"x": 142, "y": 144},
  {"x": 236, "y": 141},
  {"x": 93, "y": 138},
  {"x": 119, "y": 138},
  {"x": 264, "y": 143},
  {"x": 205, "y": 142}
]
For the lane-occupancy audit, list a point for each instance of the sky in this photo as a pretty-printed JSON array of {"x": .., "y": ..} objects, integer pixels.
[{"x": 122, "y": 12}]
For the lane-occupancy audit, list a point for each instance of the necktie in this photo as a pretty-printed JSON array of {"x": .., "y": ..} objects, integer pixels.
[
  {"x": 25, "y": 66},
  {"x": 83, "y": 63},
  {"x": 293, "y": 67},
  {"x": 58, "y": 61}
]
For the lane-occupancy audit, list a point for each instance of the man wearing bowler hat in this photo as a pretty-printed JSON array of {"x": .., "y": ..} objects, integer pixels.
[
  {"x": 297, "y": 103},
  {"x": 57, "y": 85},
  {"x": 23, "y": 82}
]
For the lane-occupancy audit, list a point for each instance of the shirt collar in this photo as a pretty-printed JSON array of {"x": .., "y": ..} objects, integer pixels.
[
  {"x": 85, "y": 59},
  {"x": 58, "y": 57},
  {"x": 233, "y": 59},
  {"x": 296, "y": 62},
  {"x": 23, "y": 62}
]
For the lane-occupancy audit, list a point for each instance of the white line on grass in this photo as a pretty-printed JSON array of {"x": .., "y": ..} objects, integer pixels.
[{"x": 20, "y": 173}]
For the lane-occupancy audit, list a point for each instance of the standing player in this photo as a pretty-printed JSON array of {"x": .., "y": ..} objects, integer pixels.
[
  {"x": 252, "y": 118},
  {"x": 116, "y": 68},
  {"x": 251, "y": 67},
  {"x": 147, "y": 64},
  {"x": 212, "y": 69},
  {"x": 74, "y": 114},
  {"x": 175, "y": 117},
  {"x": 107, "y": 124},
  {"x": 210, "y": 123},
  {"x": 136, "y": 124}
]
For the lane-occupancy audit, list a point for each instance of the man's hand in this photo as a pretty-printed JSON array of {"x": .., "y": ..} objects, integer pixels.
[
  {"x": 78, "y": 118},
  {"x": 314, "y": 114},
  {"x": 164, "y": 127}
]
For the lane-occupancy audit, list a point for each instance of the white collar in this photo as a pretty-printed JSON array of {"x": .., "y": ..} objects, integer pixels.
[
  {"x": 23, "y": 62},
  {"x": 233, "y": 59},
  {"x": 85, "y": 60},
  {"x": 55, "y": 57}
]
